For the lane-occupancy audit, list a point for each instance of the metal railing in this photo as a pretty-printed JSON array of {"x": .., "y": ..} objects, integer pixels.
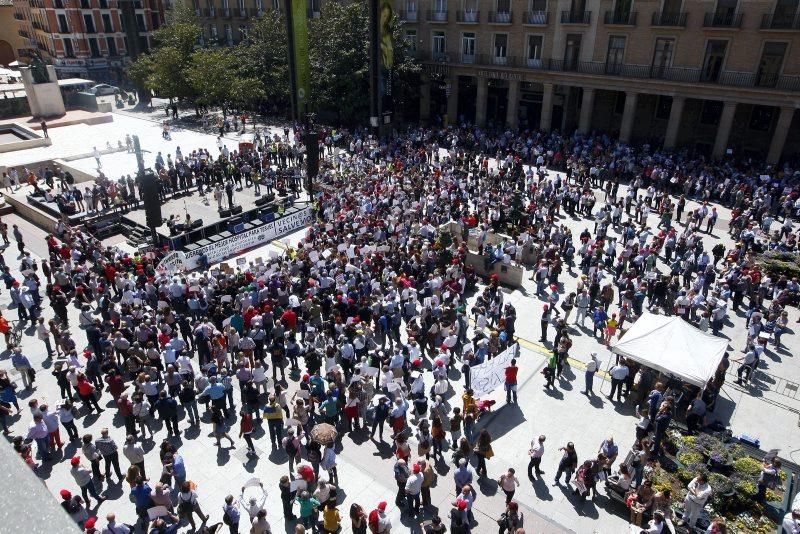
[
  {"x": 722, "y": 20},
  {"x": 314, "y": 13},
  {"x": 536, "y": 17},
  {"x": 468, "y": 17},
  {"x": 576, "y": 17},
  {"x": 501, "y": 17},
  {"x": 436, "y": 16},
  {"x": 210, "y": 12},
  {"x": 690, "y": 75},
  {"x": 620, "y": 19},
  {"x": 669, "y": 19},
  {"x": 226, "y": 13},
  {"x": 780, "y": 22}
]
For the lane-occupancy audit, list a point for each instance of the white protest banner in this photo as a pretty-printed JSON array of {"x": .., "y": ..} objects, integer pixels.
[
  {"x": 293, "y": 221},
  {"x": 487, "y": 376},
  {"x": 174, "y": 262}
]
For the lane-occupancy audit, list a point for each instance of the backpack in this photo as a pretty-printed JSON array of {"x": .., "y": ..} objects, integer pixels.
[
  {"x": 290, "y": 448},
  {"x": 225, "y": 517}
]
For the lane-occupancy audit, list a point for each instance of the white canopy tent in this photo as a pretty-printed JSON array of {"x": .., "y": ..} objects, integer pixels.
[{"x": 672, "y": 346}]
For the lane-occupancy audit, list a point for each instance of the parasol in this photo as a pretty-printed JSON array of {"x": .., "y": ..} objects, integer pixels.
[{"x": 323, "y": 433}]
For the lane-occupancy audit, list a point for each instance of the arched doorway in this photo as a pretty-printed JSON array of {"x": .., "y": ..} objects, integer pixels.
[{"x": 6, "y": 53}]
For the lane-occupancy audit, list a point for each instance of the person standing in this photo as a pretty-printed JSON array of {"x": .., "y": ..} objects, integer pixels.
[
  {"x": 43, "y": 126},
  {"x": 22, "y": 364},
  {"x": 43, "y": 333},
  {"x": 83, "y": 478},
  {"x": 413, "y": 487},
  {"x": 536, "y": 451},
  {"x": 567, "y": 464},
  {"x": 511, "y": 382},
  {"x": 591, "y": 369},
  {"x": 230, "y": 514},
  {"x": 134, "y": 453},
  {"x": 618, "y": 375},
  {"x": 699, "y": 491},
  {"x": 107, "y": 448},
  {"x": 545, "y": 320},
  {"x": 483, "y": 450},
  {"x": 37, "y": 431},
  {"x": 246, "y": 430},
  {"x": 167, "y": 408}
]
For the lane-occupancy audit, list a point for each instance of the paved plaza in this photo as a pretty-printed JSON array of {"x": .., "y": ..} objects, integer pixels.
[{"x": 768, "y": 409}]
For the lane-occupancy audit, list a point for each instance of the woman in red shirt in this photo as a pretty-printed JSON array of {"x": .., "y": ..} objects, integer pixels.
[
  {"x": 86, "y": 391},
  {"x": 245, "y": 429}
]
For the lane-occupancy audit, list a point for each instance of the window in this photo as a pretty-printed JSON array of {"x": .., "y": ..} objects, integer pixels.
[
  {"x": 411, "y": 40},
  {"x": 228, "y": 34},
  {"x": 140, "y": 22},
  {"x": 411, "y": 6},
  {"x": 662, "y": 56},
  {"x": 725, "y": 10},
  {"x": 88, "y": 23},
  {"x": 538, "y": 5},
  {"x": 107, "y": 26},
  {"x": 663, "y": 107},
  {"x": 572, "y": 51},
  {"x": 672, "y": 7},
  {"x": 622, "y": 9},
  {"x": 225, "y": 4},
  {"x": 111, "y": 44},
  {"x": 103, "y": 4},
  {"x": 616, "y": 54},
  {"x": 711, "y": 112},
  {"x": 761, "y": 118},
  {"x": 155, "y": 20},
  {"x": 439, "y": 6},
  {"x": 500, "y": 49},
  {"x": 785, "y": 11},
  {"x": 503, "y": 6},
  {"x": 63, "y": 27},
  {"x": 439, "y": 45},
  {"x": 715, "y": 56},
  {"x": 69, "y": 51},
  {"x": 468, "y": 48},
  {"x": 619, "y": 103},
  {"x": 93, "y": 47},
  {"x": 578, "y": 6},
  {"x": 85, "y": 4},
  {"x": 534, "y": 56},
  {"x": 769, "y": 68},
  {"x": 276, "y": 5}
]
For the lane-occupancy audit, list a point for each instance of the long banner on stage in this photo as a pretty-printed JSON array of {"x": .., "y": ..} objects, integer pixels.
[
  {"x": 487, "y": 376},
  {"x": 236, "y": 244}
]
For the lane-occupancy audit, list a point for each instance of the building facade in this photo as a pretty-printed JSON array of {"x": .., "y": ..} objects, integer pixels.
[
  {"x": 86, "y": 38},
  {"x": 718, "y": 76},
  {"x": 224, "y": 22},
  {"x": 12, "y": 45}
]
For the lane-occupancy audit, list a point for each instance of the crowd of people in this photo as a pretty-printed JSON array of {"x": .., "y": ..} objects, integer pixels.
[{"x": 377, "y": 308}]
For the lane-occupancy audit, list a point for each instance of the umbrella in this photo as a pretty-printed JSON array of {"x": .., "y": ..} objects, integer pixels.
[{"x": 323, "y": 433}]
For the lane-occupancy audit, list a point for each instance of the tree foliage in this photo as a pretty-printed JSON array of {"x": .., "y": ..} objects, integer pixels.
[{"x": 263, "y": 55}]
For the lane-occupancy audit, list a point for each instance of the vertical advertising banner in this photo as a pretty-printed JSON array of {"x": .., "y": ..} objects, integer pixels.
[
  {"x": 385, "y": 16},
  {"x": 299, "y": 31}
]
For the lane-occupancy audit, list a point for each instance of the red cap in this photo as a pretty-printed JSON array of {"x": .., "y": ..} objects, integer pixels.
[
  {"x": 462, "y": 504},
  {"x": 65, "y": 494},
  {"x": 75, "y": 460},
  {"x": 89, "y": 523},
  {"x": 306, "y": 377},
  {"x": 545, "y": 306},
  {"x": 382, "y": 506},
  {"x": 415, "y": 468}
]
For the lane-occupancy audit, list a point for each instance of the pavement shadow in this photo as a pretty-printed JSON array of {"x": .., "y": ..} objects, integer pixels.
[
  {"x": 512, "y": 417},
  {"x": 541, "y": 490}
]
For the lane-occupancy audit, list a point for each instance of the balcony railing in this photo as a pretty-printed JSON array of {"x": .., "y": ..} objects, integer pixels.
[
  {"x": 780, "y": 22},
  {"x": 468, "y": 59},
  {"x": 722, "y": 20},
  {"x": 620, "y": 19},
  {"x": 19, "y": 16},
  {"x": 314, "y": 13},
  {"x": 210, "y": 12},
  {"x": 468, "y": 17},
  {"x": 436, "y": 15},
  {"x": 576, "y": 17},
  {"x": 690, "y": 75},
  {"x": 501, "y": 17},
  {"x": 226, "y": 13},
  {"x": 539, "y": 18},
  {"x": 243, "y": 12},
  {"x": 669, "y": 19},
  {"x": 409, "y": 16},
  {"x": 24, "y": 33}
]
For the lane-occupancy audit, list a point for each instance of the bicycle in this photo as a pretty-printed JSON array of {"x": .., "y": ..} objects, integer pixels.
[{"x": 15, "y": 334}]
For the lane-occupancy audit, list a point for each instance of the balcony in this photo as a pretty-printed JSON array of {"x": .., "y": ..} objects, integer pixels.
[
  {"x": 19, "y": 16},
  {"x": 409, "y": 16},
  {"x": 468, "y": 17},
  {"x": 65, "y": 29},
  {"x": 576, "y": 17},
  {"x": 688, "y": 75},
  {"x": 58, "y": 4},
  {"x": 24, "y": 33},
  {"x": 227, "y": 13},
  {"x": 314, "y": 13},
  {"x": 612, "y": 18},
  {"x": 210, "y": 12},
  {"x": 780, "y": 22},
  {"x": 434, "y": 15},
  {"x": 243, "y": 13},
  {"x": 501, "y": 17},
  {"x": 722, "y": 20},
  {"x": 675, "y": 20},
  {"x": 536, "y": 18}
]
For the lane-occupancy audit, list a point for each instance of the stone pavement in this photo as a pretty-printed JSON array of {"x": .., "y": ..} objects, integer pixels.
[{"x": 365, "y": 474}]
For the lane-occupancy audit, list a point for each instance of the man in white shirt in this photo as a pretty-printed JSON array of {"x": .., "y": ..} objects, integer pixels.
[
  {"x": 536, "y": 451},
  {"x": 699, "y": 493}
]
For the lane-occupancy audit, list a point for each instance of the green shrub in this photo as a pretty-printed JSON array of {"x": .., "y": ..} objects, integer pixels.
[{"x": 747, "y": 467}]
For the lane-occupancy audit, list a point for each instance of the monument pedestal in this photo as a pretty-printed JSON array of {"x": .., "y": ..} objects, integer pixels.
[{"x": 44, "y": 98}]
